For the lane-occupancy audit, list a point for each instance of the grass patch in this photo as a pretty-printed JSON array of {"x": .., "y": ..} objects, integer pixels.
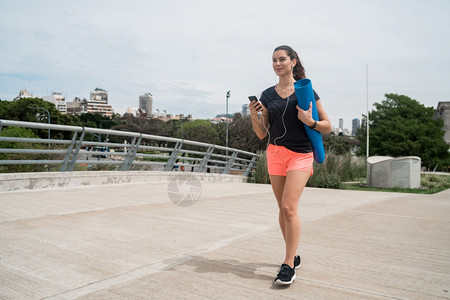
[
  {"x": 430, "y": 184},
  {"x": 338, "y": 170}
]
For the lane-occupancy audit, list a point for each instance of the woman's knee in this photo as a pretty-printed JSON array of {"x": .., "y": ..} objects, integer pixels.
[{"x": 289, "y": 211}]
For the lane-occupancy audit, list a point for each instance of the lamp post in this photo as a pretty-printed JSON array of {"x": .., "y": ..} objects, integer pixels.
[
  {"x": 48, "y": 119},
  {"x": 226, "y": 116},
  {"x": 367, "y": 99}
]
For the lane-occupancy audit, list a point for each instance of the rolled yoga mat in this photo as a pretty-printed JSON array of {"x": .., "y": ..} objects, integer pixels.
[{"x": 305, "y": 95}]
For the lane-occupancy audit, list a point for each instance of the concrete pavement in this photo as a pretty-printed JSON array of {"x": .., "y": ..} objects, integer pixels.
[{"x": 130, "y": 240}]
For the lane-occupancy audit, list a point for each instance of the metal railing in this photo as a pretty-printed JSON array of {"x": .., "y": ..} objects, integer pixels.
[{"x": 122, "y": 149}]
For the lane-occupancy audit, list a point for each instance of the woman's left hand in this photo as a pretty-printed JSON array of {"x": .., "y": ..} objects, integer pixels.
[{"x": 305, "y": 115}]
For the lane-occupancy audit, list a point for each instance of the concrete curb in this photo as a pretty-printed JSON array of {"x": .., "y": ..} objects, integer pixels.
[{"x": 43, "y": 180}]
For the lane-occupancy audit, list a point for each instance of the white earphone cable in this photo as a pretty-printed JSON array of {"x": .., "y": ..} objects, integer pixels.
[{"x": 284, "y": 124}]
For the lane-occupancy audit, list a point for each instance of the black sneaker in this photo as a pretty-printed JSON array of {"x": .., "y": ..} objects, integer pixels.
[
  {"x": 297, "y": 262},
  {"x": 286, "y": 275}
]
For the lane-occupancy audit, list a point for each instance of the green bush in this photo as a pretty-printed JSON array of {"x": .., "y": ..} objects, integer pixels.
[
  {"x": 435, "y": 182},
  {"x": 330, "y": 181},
  {"x": 261, "y": 175},
  {"x": 21, "y": 133},
  {"x": 334, "y": 170},
  {"x": 337, "y": 169},
  {"x": 430, "y": 184}
]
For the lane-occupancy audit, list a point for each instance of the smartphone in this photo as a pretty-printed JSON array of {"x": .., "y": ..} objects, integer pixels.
[{"x": 252, "y": 98}]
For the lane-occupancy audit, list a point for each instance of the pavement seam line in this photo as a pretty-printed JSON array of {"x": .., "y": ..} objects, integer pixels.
[
  {"x": 151, "y": 268},
  {"x": 394, "y": 215}
]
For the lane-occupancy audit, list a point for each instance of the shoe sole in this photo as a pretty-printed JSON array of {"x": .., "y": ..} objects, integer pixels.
[{"x": 279, "y": 282}]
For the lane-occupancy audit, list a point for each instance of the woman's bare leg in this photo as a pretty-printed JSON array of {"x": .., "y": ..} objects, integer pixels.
[
  {"x": 277, "y": 183},
  {"x": 294, "y": 185}
]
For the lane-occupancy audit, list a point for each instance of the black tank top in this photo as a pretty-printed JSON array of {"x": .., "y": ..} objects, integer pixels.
[{"x": 285, "y": 127}]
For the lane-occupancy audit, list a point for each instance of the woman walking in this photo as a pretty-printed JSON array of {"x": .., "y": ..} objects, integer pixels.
[{"x": 289, "y": 154}]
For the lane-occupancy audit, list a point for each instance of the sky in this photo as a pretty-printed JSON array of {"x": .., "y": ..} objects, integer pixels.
[{"x": 188, "y": 54}]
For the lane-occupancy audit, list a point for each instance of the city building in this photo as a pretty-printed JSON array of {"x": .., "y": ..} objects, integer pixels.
[
  {"x": 222, "y": 118},
  {"x": 98, "y": 103},
  {"x": 100, "y": 95},
  {"x": 58, "y": 100},
  {"x": 363, "y": 122},
  {"x": 146, "y": 104},
  {"x": 23, "y": 94},
  {"x": 164, "y": 116},
  {"x": 443, "y": 112},
  {"x": 341, "y": 124},
  {"x": 245, "y": 110},
  {"x": 356, "y": 124},
  {"x": 77, "y": 106},
  {"x": 134, "y": 111}
]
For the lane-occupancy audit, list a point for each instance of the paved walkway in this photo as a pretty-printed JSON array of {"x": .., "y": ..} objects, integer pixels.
[{"x": 131, "y": 241}]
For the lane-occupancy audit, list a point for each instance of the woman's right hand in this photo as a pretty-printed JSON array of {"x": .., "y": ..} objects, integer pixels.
[
  {"x": 255, "y": 107},
  {"x": 260, "y": 125}
]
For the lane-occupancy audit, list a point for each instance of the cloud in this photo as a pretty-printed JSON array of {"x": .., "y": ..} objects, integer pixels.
[{"x": 189, "y": 53}]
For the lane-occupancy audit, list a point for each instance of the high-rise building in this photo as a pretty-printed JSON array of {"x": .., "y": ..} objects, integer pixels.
[
  {"x": 355, "y": 125},
  {"x": 363, "y": 122},
  {"x": 245, "y": 110},
  {"x": 341, "y": 124},
  {"x": 98, "y": 103},
  {"x": 99, "y": 95},
  {"x": 146, "y": 103}
]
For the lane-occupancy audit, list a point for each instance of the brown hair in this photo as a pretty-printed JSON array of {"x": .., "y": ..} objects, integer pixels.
[{"x": 299, "y": 70}]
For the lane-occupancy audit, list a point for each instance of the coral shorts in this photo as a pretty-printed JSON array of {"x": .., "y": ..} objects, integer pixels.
[{"x": 280, "y": 160}]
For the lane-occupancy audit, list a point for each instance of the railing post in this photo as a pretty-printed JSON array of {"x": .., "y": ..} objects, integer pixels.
[
  {"x": 63, "y": 167},
  {"x": 205, "y": 159},
  {"x": 230, "y": 163},
  {"x": 124, "y": 165},
  {"x": 250, "y": 166},
  {"x": 77, "y": 150},
  {"x": 128, "y": 161},
  {"x": 173, "y": 157}
]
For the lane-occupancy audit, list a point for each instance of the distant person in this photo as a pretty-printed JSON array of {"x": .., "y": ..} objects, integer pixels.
[{"x": 289, "y": 154}]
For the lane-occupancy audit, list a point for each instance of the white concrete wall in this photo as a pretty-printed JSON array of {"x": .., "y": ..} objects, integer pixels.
[
  {"x": 43, "y": 180},
  {"x": 387, "y": 172}
]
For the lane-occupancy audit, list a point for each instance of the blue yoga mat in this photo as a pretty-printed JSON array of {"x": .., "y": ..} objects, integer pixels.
[{"x": 305, "y": 95}]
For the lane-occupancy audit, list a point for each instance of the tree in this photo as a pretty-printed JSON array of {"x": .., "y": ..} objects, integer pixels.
[
  {"x": 20, "y": 133},
  {"x": 199, "y": 130},
  {"x": 401, "y": 126},
  {"x": 339, "y": 145},
  {"x": 21, "y": 110},
  {"x": 242, "y": 136},
  {"x": 25, "y": 110},
  {"x": 154, "y": 127}
]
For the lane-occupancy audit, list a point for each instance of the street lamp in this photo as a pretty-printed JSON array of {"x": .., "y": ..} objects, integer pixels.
[
  {"x": 48, "y": 119},
  {"x": 226, "y": 116},
  {"x": 367, "y": 99}
]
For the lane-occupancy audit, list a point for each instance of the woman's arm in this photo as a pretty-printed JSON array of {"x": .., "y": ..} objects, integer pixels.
[
  {"x": 323, "y": 125},
  {"x": 260, "y": 123}
]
